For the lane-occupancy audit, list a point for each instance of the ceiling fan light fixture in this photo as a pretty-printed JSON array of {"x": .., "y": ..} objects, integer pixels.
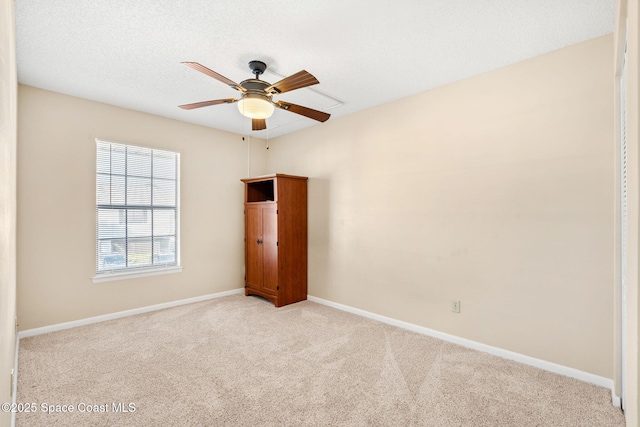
[
  {"x": 255, "y": 107},
  {"x": 256, "y": 101}
]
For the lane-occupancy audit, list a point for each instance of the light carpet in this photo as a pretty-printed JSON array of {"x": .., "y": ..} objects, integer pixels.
[{"x": 238, "y": 361}]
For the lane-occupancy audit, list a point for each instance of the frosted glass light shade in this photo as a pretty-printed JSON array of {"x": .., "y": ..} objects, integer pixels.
[{"x": 255, "y": 108}]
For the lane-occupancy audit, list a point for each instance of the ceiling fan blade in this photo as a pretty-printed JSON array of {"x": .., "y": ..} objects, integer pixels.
[
  {"x": 211, "y": 73},
  {"x": 207, "y": 103},
  {"x": 320, "y": 116},
  {"x": 258, "y": 124},
  {"x": 295, "y": 81}
]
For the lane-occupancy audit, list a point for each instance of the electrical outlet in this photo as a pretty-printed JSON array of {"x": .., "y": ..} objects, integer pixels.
[{"x": 455, "y": 306}]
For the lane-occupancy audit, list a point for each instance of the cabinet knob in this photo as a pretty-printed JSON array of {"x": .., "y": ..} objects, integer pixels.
[{"x": 259, "y": 241}]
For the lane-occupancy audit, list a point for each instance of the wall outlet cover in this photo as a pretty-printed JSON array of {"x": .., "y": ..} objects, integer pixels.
[{"x": 455, "y": 306}]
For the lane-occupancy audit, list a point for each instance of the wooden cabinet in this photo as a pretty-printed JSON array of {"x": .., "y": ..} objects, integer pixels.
[{"x": 275, "y": 225}]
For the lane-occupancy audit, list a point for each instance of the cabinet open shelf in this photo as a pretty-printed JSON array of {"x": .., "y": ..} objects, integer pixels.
[{"x": 261, "y": 191}]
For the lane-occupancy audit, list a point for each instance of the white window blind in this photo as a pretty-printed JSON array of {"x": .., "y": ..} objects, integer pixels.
[{"x": 137, "y": 208}]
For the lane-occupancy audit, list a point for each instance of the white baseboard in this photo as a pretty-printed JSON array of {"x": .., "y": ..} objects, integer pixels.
[
  {"x": 496, "y": 351},
  {"x": 119, "y": 314},
  {"x": 615, "y": 400}
]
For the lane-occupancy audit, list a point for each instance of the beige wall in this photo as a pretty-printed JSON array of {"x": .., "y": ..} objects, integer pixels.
[
  {"x": 496, "y": 190},
  {"x": 56, "y": 207},
  {"x": 8, "y": 95},
  {"x": 627, "y": 23}
]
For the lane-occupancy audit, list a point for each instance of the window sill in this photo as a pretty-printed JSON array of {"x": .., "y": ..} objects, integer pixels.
[{"x": 109, "y": 277}]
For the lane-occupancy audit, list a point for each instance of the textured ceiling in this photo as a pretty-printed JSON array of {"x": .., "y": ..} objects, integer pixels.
[{"x": 363, "y": 52}]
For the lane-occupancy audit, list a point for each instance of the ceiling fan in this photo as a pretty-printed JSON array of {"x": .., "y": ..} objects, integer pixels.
[{"x": 256, "y": 99}]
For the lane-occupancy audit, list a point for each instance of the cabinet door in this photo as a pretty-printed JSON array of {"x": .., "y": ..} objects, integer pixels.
[
  {"x": 270, "y": 249},
  {"x": 253, "y": 236}
]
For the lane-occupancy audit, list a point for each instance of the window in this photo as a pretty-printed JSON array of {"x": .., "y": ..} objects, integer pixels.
[{"x": 137, "y": 209}]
